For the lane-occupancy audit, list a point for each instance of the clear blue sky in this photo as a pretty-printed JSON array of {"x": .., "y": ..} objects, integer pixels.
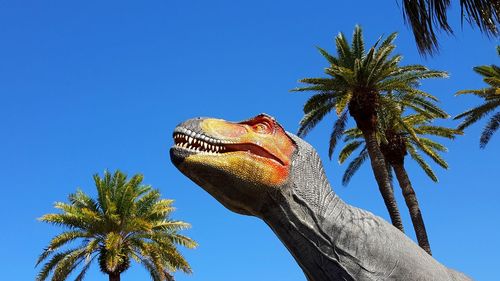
[{"x": 92, "y": 85}]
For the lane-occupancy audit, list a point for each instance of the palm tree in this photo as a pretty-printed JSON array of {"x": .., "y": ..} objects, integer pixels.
[
  {"x": 357, "y": 84},
  {"x": 398, "y": 136},
  {"x": 127, "y": 221},
  {"x": 491, "y": 96},
  {"x": 425, "y": 15}
]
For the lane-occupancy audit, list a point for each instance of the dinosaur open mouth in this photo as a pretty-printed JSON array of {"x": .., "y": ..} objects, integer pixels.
[{"x": 199, "y": 143}]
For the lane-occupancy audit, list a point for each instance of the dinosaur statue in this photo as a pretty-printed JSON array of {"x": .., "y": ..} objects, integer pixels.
[{"x": 256, "y": 168}]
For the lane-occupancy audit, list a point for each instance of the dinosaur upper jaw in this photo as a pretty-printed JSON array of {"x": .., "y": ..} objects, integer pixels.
[{"x": 188, "y": 142}]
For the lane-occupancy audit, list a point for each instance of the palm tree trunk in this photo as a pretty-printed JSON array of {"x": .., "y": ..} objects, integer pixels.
[
  {"x": 382, "y": 177},
  {"x": 413, "y": 207},
  {"x": 114, "y": 276}
]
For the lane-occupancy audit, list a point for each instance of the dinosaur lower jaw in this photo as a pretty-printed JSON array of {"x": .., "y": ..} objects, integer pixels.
[{"x": 195, "y": 143}]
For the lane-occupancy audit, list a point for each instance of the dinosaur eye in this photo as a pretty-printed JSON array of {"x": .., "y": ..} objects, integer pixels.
[{"x": 263, "y": 128}]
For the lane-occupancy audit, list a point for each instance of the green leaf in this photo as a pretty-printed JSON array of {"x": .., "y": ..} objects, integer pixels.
[
  {"x": 476, "y": 113},
  {"x": 331, "y": 59},
  {"x": 354, "y": 166},
  {"x": 421, "y": 162},
  {"x": 337, "y": 131},
  {"x": 319, "y": 100},
  {"x": 312, "y": 118},
  {"x": 342, "y": 103},
  {"x": 348, "y": 149},
  {"x": 358, "y": 45},
  {"x": 489, "y": 130}
]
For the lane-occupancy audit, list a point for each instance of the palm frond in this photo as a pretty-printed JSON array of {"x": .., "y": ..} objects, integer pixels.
[
  {"x": 85, "y": 268},
  {"x": 476, "y": 113},
  {"x": 68, "y": 264},
  {"x": 388, "y": 41},
  {"x": 382, "y": 68},
  {"x": 175, "y": 260},
  {"x": 64, "y": 220},
  {"x": 426, "y": 16},
  {"x": 170, "y": 225},
  {"x": 331, "y": 59},
  {"x": 485, "y": 93},
  {"x": 485, "y": 70},
  {"x": 426, "y": 149},
  {"x": 153, "y": 271},
  {"x": 344, "y": 74},
  {"x": 312, "y": 118},
  {"x": 348, "y": 149},
  {"x": 423, "y": 107},
  {"x": 438, "y": 131},
  {"x": 485, "y": 14},
  {"x": 415, "y": 119},
  {"x": 490, "y": 128},
  {"x": 319, "y": 100},
  {"x": 403, "y": 79},
  {"x": 380, "y": 59},
  {"x": 354, "y": 166},
  {"x": 82, "y": 200},
  {"x": 416, "y": 92},
  {"x": 429, "y": 151},
  {"x": 183, "y": 241},
  {"x": 51, "y": 264},
  {"x": 338, "y": 129},
  {"x": 59, "y": 241},
  {"x": 358, "y": 45},
  {"x": 421, "y": 162},
  {"x": 432, "y": 144},
  {"x": 344, "y": 53},
  {"x": 342, "y": 102}
]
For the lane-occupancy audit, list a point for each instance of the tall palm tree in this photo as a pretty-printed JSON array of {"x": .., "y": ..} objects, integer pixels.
[
  {"x": 398, "y": 136},
  {"x": 357, "y": 84},
  {"x": 491, "y": 97},
  {"x": 128, "y": 220},
  {"x": 424, "y": 16}
]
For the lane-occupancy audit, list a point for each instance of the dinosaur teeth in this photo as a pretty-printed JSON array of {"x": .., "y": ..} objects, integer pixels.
[{"x": 188, "y": 139}]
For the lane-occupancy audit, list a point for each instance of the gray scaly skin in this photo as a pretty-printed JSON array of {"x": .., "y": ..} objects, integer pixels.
[{"x": 329, "y": 239}]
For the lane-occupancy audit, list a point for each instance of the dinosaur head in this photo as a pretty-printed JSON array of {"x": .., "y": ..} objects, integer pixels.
[{"x": 237, "y": 163}]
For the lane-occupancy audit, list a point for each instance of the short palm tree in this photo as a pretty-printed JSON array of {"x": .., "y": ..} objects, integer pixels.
[
  {"x": 491, "y": 97},
  {"x": 398, "y": 136},
  {"x": 357, "y": 84},
  {"x": 128, "y": 220}
]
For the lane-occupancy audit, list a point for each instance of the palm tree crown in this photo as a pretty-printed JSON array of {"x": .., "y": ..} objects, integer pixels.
[
  {"x": 127, "y": 221},
  {"x": 491, "y": 97},
  {"x": 359, "y": 82}
]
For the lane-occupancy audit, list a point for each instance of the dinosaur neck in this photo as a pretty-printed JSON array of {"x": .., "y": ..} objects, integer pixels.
[
  {"x": 332, "y": 240},
  {"x": 302, "y": 219}
]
